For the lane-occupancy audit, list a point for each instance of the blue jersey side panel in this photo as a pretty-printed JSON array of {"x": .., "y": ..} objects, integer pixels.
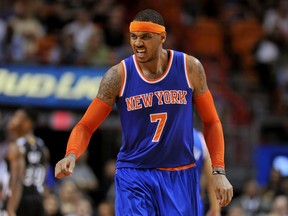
[
  {"x": 198, "y": 151},
  {"x": 144, "y": 106}
]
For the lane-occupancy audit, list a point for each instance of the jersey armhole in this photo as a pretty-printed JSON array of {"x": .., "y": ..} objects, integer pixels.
[
  {"x": 187, "y": 74},
  {"x": 123, "y": 77}
]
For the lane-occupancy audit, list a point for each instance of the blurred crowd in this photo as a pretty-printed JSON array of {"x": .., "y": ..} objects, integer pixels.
[
  {"x": 243, "y": 45},
  {"x": 241, "y": 42},
  {"x": 73, "y": 196},
  {"x": 262, "y": 200},
  {"x": 82, "y": 194},
  {"x": 62, "y": 32}
]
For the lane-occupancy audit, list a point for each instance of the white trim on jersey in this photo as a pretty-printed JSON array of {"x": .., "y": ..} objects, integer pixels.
[
  {"x": 161, "y": 77},
  {"x": 185, "y": 69},
  {"x": 125, "y": 78}
]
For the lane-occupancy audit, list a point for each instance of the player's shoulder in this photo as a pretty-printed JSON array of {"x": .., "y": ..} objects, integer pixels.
[
  {"x": 117, "y": 68},
  {"x": 14, "y": 151},
  {"x": 113, "y": 75},
  {"x": 192, "y": 59},
  {"x": 21, "y": 141}
]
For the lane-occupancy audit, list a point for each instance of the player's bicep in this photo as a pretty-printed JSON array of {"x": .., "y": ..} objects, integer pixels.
[
  {"x": 110, "y": 85},
  {"x": 16, "y": 159},
  {"x": 197, "y": 76}
]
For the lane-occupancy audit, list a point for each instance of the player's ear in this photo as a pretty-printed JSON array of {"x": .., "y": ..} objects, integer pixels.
[{"x": 163, "y": 36}]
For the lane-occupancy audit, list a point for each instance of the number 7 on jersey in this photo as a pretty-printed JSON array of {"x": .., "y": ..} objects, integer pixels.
[{"x": 161, "y": 119}]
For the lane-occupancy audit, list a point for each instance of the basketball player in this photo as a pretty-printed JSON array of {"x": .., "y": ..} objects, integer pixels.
[
  {"x": 12, "y": 166},
  {"x": 155, "y": 91},
  {"x": 203, "y": 165},
  {"x": 22, "y": 125}
]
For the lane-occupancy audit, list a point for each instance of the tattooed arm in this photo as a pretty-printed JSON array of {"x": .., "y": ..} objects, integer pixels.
[
  {"x": 212, "y": 129},
  {"x": 197, "y": 76},
  {"x": 96, "y": 113},
  {"x": 110, "y": 85}
]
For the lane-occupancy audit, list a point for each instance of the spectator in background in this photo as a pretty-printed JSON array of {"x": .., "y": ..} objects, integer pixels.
[
  {"x": 76, "y": 4},
  {"x": 100, "y": 11},
  {"x": 108, "y": 185},
  {"x": 284, "y": 186},
  {"x": 81, "y": 29},
  {"x": 114, "y": 28},
  {"x": 83, "y": 208},
  {"x": 270, "y": 190},
  {"x": 25, "y": 31},
  {"x": 54, "y": 16},
  {"x": 235, "y": 210},
  {"x": 84, "y": 177},
  {"x": 66, "y": 50},
  {"x": 69, "y": 195},
  {"x": 96, "y": 52},
  {"x": 275, "y": 22},
  {"x": 3, "y": 31},
  {"x": 105, "y": 208},
  {"x": 273, "y": 75},
  {"x": 250, "y": 199},
  {"x": 279, "y": 206},
  {"x": 52, "y": 205}
]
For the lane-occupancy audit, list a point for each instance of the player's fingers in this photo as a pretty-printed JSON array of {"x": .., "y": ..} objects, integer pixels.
[
  {"x": 229, "y": 195},
  {"x": 59, "y": 175},
  {"x": 223, "y": 198},
  {"x": 219, "y": 196},
  {"x": 65, "y": 168},
  {"x": 71, "y": 167},
  {"x": 60, "y": 169},
  {"x": 226, "y": 197},
  {"x": 230, "y": 192}
]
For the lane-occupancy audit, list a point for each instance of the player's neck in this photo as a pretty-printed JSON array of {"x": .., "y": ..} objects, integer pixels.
[
  {"x": 157, "y": 66},
  {"x": 30, "y": 137}
]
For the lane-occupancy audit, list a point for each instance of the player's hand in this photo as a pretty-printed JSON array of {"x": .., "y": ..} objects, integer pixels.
[
  {"x": 223, "y": 189},
  {"x": 65, "y": 166}
]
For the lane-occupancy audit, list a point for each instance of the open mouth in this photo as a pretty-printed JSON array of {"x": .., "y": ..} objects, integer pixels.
[{"x": 140, "y": 53}]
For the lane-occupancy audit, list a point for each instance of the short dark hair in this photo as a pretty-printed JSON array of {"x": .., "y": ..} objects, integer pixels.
[
  {"x": 31, "y": 113},
  {"x": 149, "y": 15}
]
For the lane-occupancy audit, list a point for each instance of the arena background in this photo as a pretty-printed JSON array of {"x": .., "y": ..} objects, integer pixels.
[{"x": 241, "y": 46}]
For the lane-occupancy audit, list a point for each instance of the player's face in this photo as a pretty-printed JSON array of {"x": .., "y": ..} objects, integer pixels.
[
  {"x": 18, "y": 123},
  {"x": 145, "y": 45}
]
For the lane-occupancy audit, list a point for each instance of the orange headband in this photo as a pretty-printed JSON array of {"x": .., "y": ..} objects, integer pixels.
[{"x": 139, "y": 26}]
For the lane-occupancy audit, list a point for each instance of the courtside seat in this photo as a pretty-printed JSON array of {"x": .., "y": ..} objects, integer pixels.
[
  {"x": 244, "y": 35},
  {"x": 44, "y": 47},
  {"x": 205, "y": 38}
]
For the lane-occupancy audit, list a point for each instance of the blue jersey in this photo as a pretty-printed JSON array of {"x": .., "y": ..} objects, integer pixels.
[
  {"x": 198, "y": 150},
  {"x": 156, "y": 116},
  {"x": 199, "y": 153}
]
